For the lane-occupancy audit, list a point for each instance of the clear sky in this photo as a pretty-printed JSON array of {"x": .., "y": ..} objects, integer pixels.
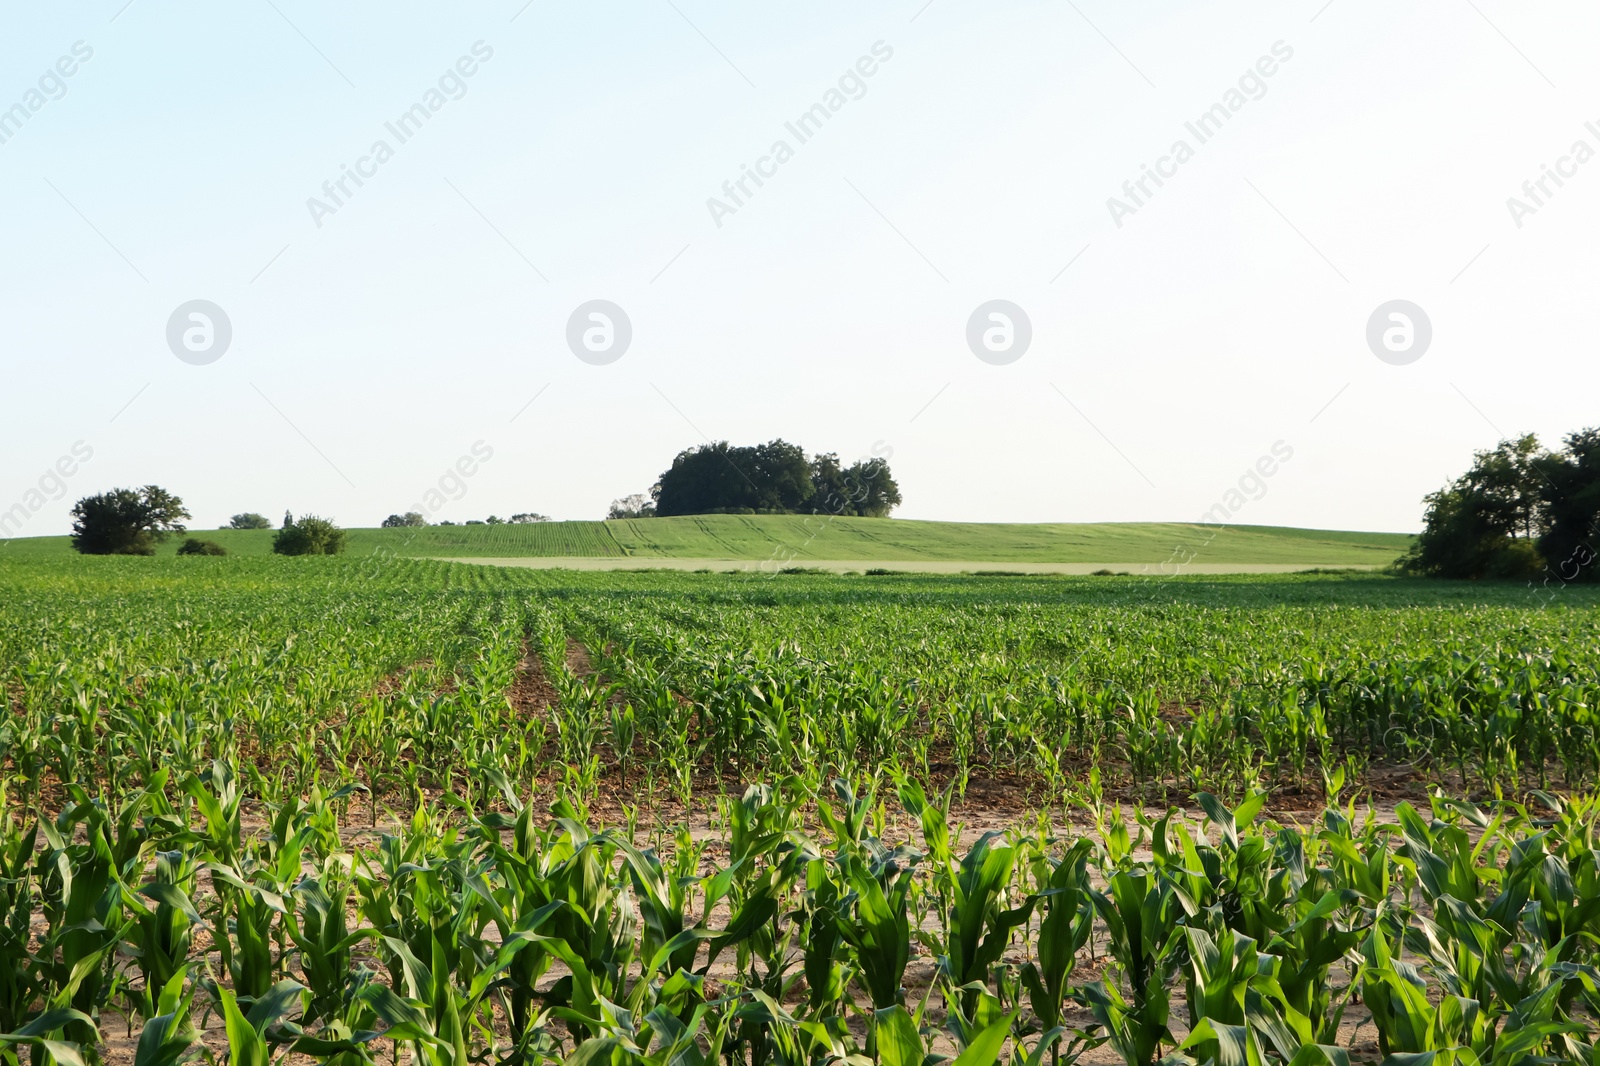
[{"x": 960, "y": 152}]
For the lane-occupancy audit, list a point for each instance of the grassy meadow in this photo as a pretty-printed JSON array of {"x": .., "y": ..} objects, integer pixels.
[{"x": 797, "y": 538}]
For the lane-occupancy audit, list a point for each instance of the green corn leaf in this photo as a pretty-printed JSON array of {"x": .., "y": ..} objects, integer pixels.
[
  {"x": 984, "y": 1049},
  {"x": 899, "y": 1043}
]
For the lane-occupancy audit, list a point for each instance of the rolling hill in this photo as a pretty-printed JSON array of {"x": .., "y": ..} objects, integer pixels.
[{"x": 797, "y": 540}]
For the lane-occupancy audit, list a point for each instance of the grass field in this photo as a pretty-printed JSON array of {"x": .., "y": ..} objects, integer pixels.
[{"x": 795, "y": 539}]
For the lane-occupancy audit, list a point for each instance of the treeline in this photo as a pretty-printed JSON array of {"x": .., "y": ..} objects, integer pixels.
[
  {"x": 1519, "y": 512},
  {"x": 773, "y": 478},
  {"x": 135, "y": 521}
]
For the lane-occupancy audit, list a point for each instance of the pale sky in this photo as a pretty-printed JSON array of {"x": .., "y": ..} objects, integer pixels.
[{"x": 379, "y": 337}]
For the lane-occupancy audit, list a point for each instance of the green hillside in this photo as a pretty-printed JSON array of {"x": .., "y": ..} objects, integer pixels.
[
  {"x": 795, "y": 539},
  {"x": 757, "y": 536}
]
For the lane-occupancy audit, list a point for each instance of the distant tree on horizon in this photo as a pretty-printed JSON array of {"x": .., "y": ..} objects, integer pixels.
[
  {"x": 1517, "y": 512},
  {"x": 773, "y": 478},
  {"x": 638, "y": 505},
  {"x": 126, "y": 521},
  {"x": 249, "y": 520}
]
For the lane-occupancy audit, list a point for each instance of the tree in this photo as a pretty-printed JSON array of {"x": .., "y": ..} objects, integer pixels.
[
  {"x": 528, "y": 518},
  {"x": 782, "y": 477},
  {"x": 865, "y": 490},
  {"x": 126, "y": 521},
  {"x": 1459, "y": 538},
  {"x": 1509, "y": 483},
  {"x": 288, "y": 519},
  {"x": 704, "y": 480},
  {"x": 872, "y": 487},
  {"x": 1572, "y": 508},
  {"x": 201, "y": 547},
  {"x": 404, "y": 521},
  {"x": 637, "y": 505},
  {"x": 1491, "y": 520},
  {"x": 249, "y": 520},
  {"x": 309, "y": 536}
]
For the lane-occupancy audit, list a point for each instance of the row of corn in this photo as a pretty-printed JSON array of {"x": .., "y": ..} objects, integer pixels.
[{"x": 189, "y": 919}]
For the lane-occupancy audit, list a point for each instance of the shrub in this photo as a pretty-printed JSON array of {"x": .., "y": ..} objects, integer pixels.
[
  {"x": 201, "y": 547},
  {"x": 309, "y": 535}
]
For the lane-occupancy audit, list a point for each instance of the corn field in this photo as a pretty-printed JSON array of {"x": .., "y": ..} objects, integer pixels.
[
  {"x": 404, "y": 677},
  {"x": 366, "y": 810},
  {"x": 1458, "y": 933}
]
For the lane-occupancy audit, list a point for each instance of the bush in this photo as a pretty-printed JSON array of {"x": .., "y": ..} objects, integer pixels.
[
  {"x": 201, "y": 547},
  {"x": 309, "y": 535},
  {"x": 126, "y": 521},
  {"x": 249, "y": 520},
  {"x": 1517, "y": 559}
]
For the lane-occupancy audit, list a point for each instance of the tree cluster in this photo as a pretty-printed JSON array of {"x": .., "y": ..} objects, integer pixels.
[
  {"x": 417, "y": 519},
  {"x": 772, "y": 478},
  {"x": 1518, "y": 512},
  {"x": 126, "y": 521}
]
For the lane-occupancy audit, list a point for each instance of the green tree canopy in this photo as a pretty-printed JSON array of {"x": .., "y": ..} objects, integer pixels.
[
  {"x": 1518, "y": 511},
  {"x": 772, "y": 478},
  {"x": 1572, "y": 508},
  {"x": 126, "y": 521}
]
